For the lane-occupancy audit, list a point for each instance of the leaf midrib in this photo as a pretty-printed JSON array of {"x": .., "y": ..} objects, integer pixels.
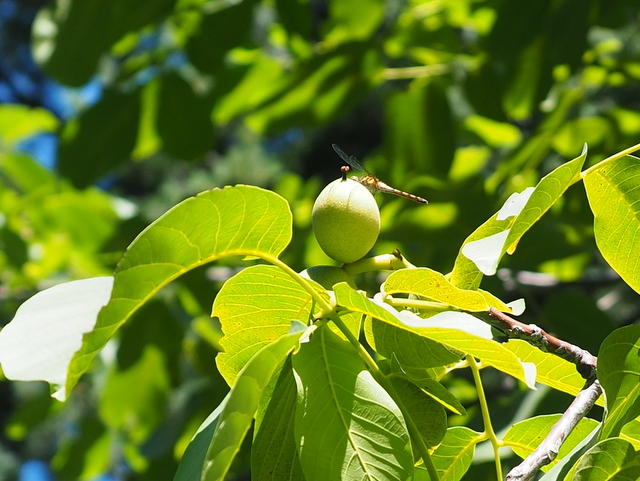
[{"x": 334, "y": 396}]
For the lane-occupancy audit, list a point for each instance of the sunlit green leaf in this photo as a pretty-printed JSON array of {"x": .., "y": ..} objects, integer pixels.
[
  {"x": 562, "y": 467},
  {"x": 453, "y": 456},
  {"x": 317, "y": 89},
  {"x": 348, "y": 21},
  {"x": 495, "y": 134},
  {"x": 18, "y": 122},
  {"x": 24, "y": 173},
  {"x": 546, "y": 194},
  {"x": 631, "y": 432},
  {"x": 613, "y": 189},
  {"x": 410, "y": 350},
  {"x": 432, "y": 285},
  {"x": 454, "y": 334},
  {"x": 347, "y": 426},
  {"x": 525, "y": 436},
  {"x": 609, "y": 460},
  {"x": 256, "y": 307},
  {"x": 239, "y": 410},
  {"x": 482, "y": 250},
  {"x": 551, "y": 370},
  {"x": 40, "y": 341},
  {"x": 619, "y": 374},
  {"x": 573, "y": 134},
  {"x": 234, "y": 221}
]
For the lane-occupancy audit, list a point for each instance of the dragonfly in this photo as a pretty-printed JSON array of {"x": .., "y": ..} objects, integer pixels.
[{"x": 370, "y": 181}]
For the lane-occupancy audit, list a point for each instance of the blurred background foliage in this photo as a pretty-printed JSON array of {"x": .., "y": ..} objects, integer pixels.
[{"x": 113, "y": 111}]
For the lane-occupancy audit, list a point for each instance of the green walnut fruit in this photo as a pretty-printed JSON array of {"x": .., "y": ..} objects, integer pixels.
[
  {"x": 346, "y": 220},
  {"x": 327, "y": 276}
]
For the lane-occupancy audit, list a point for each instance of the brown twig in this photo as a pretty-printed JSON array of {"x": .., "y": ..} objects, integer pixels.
[
  {"x": 585, "y": 364},
  {"x": 548, "y": 449},
  {"x": 585, "y": 361}
]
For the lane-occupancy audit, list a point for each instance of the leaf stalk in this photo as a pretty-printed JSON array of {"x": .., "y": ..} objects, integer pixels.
[{"x": 489, "y": 432}]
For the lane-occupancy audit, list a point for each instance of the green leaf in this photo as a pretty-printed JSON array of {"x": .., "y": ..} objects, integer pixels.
[
  {"x": 133, "y": 399},
  {"x": 192, "y": 462},
  {"x": 47, "y": 330},
  {"x": 101, "y": 138},
  {"x": 424, "y": 378},
  {"x": 489, "y": 239},
  {"x": 348, "y": 22},
  {"x": 453, "y": 456},
  {"x": 244, "y": 398},
  {"x": 234, "y": 221},
  {"x": 610, "y": 460},
  {"x": 546, "y": 194},
  {"x": 455, "y": 330},
  {"x": 525, "y": 436},
  {"x": 71, "y": 36},
  {"x": 631, "y": 432},
  {"x": 311, "y": 92},
  {"x": 420, "y": 131},
  {"x": 492, "y": 132},
  {"x": 347, "y": 427},
  {"x": 428, "y": 415},
  {"x": 564, "y": 466},
  {"x": 482, "y": 250},
  {"x": 135, "y": 389},
  {"x": 613, "y": 190},
  {"x": 256, "y": 307},
  {"x": 184, "y": 119},
  {"x": 410, "y": 350},
  {"x": 317, "y": 89},
  {"x": 577, "y": 132},
  {"x": 433, "y": 285},
  {"x": 619, "y": 374},
  {"x": 24, "y": 173},
  {"x": 207, "y": 48},
  {"x": 18, "y": 122},
  {"x": 551, "y": 370},
  {"x": 273, "y": 453},
  {"x": 440, "y": 394}
]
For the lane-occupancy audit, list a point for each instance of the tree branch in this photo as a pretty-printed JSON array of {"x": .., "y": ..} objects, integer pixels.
[
  {"x": 585, "y": 364},
  {"x": 585, "y": 361},
  {"x": 549, "y": 447}
]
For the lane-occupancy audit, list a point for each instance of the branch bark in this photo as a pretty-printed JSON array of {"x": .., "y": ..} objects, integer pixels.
[
  {"x": 585, "y": 361},
  {"x": 585, "y": 364},
  {"x": 549, "y": 447}
]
